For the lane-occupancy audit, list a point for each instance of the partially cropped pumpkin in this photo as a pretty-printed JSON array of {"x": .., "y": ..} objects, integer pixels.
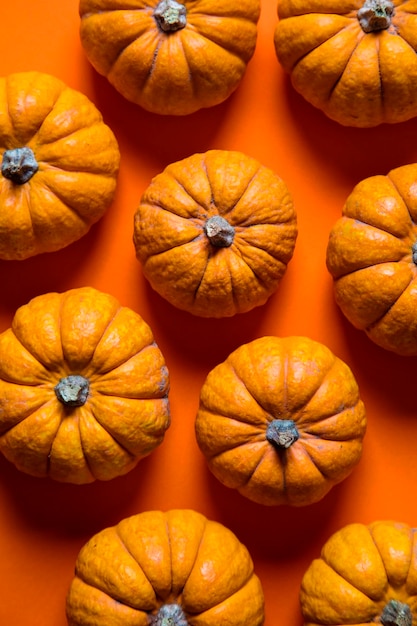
[
  {"x": 170, "y": 57},
  {"x": 59, "y": 165},
  {"x": 281, "y": 421},
  {"x": 174, "y": 568},
  {"x": 83, "y": 387},
  {"x": 214, "y": 233},
  {"x": 365, "y": 574},
  {"x": 372, "y": 256},
  {"x": 356, "y": 60}
]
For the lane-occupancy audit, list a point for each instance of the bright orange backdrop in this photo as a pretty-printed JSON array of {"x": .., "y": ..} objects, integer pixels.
[{"x": 43, "y": 524}]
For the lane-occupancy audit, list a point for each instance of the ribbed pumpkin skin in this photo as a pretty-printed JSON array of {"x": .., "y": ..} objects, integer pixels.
[
  {"x": 81, "y": 332},
  {"x": 362, "y": 569},
  {"x": 126, "y": 573},
  {"x": 78, "y": 161},
  {"x": 170, "y": 73},
  {"x": 179, "y": 259},
  {"x": 371, "y": 256},
  {"x": 279, "y": 380},
  {"x": 357, "y": 78}
]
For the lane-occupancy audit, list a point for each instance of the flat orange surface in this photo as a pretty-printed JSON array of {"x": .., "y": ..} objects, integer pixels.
[{"x": 44, "y": 524}]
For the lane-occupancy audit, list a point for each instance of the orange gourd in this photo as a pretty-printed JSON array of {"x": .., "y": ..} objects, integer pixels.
[
  {"x": 281, "y": 420},
  {"x": 170, "y": 57},
  {"x": 356, "y": 60},
  {"x": 365, "y": 574},
  {"x": 59, "y": 165},
  {"x": 214, "y": 233},
  {"x": 371, "y": 255},
  {"x": 174, "y": 568},
  {"x": 83, "y": 387}
]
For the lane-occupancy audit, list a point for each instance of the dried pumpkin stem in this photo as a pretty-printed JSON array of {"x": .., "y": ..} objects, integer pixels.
[
  {"x": 19, "y": 165},
  {"x": 282, "y": 433},
  {"x": 219, "y": 232},
  {"x": 72, "y": 390},
  {"x": 375, "y": 15},
  {"x": 396, "y": 613},
  {"x": 170, "y": 15},
  {"x": 170, "y": 615}
]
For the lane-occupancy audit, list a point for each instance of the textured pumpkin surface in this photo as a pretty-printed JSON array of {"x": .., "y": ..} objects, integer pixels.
[
  {"x": 281, "y": 420},
  {"x": 365, "y": 574},
  {"x": 372, "y": 257},
  {"x": 83, "y": 387},
  {"x": 214, "y": 233},
  {"x": 176, "y": 565},
  {"x": 353, "y": 59},
  {"x": 59, "y": 165},
  {"x": 170, "y": 57}
]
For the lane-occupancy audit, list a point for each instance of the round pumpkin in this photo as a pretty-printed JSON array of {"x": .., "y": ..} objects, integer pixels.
[
  {"x": 372, "y": 256},
  {"x": 356, "y": 60},
  {"x": 214, "y": 233},
  {"x": 365, "y": 574},
  {"x": 170, "y": 57},
  {"x": 174, "y": 568},
  {"x": 59, "y": 165},
  {"x": 83, "y": 387},
  {"x": 281, "y": 420}
]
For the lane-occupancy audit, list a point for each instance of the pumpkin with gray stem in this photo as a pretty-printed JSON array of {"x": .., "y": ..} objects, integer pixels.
[
  {"x": 52, "y": 190},
  {"x": 170, "y": 57},
  {"x": 365, "y": 574},
  {"x": 83, "y": 388},
  {"x": 214, "y": 233},
  {"x": 281, "y": 421},
  {"x": 356, "y": 60},
  {"x": 173, "y": 568}
]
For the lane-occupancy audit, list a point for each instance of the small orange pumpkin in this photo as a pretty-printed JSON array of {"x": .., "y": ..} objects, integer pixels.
[
  {"x": 170, "y": 57},
  {"x": 365, "y": 574},
  {"x": 214, "y": 233},
  {"x": 372, "y": 257},
  {"x": 59, "y": 165},
  {"x": 174, "y": 568},
  {"x": 83, "y": 387},
  {"x": 281, "y": 420},
  {"x": 356, "y": 60}
]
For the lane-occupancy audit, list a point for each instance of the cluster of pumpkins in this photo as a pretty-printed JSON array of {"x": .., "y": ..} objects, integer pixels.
[{"x": 281, "y": 419}]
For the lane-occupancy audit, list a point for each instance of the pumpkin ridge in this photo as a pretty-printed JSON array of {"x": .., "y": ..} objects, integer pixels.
[
  {"x": 342, "y": 73},
  {"x": 196, "y": 554},
  {"x": 375, "y": 323},
  {"x": 110, "y": 432}
]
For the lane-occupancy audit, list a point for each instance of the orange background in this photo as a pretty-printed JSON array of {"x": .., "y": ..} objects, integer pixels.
[{"x": 44, "y": 524}]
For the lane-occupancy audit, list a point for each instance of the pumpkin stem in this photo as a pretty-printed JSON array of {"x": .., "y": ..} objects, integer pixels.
[
  {"x": 170, "y": 615},
  {"x": 396, "y": 613},
  {"x": 19, "y": 165},
  {"x": 219, "y": 232},
  {"x": 375, "y": 15},
  {"x": 170, "y": 15},
  {"x": 282, "y": 433},
  {"x": 72, "y": 390},
  {"x": 414, "y": 252}
]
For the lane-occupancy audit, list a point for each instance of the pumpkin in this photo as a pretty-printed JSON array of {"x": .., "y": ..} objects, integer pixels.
[
  {"x": 364, "y": 574},
  {"x": 83, "y": 387},
  {"x": 355, "y": 60},
  {"x": 59, "y": 165},
  {"x": 281, "y": 420},
  {"x": 173, "y": 568},
  {"x": 372, "y": 256},
  {"x": 214, "y": 233},
  {"x": 170, "y": 57}
]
